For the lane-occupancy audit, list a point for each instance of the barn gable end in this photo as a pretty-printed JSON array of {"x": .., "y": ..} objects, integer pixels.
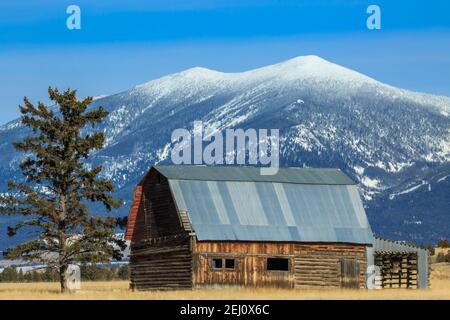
[{"x": 160, "y": 246}]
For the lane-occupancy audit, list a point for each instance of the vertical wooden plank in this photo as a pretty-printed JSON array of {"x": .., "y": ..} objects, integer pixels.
[{"x": 350, "y": 273}]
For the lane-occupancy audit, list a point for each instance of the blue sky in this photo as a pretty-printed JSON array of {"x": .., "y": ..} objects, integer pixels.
[{"x": 124, "y": 43}]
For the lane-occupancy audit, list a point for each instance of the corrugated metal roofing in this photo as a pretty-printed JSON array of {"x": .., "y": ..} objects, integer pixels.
[
  {"x": 253, "y": 174},
  {"x": 271, "y": 211},
  {"x": 393, "y": 246}
]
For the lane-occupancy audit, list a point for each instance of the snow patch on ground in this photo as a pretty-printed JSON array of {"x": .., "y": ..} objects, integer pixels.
[
  {"x": 304, "y": 138},
  {"x": 443, "y": 179},
  {"x": 444, "y": 145},
  {"x": 359, "y": 170},
  {"x": 395, "y": 167},
  {"x": 163, "y": 153},
  {"x": 411, "y": 189},
  {"x": 418, "y": 222},
  {"x": 371, "y": 183}
]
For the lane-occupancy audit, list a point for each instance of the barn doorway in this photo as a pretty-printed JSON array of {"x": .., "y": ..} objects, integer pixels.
[{"x": 349, "y": 273}]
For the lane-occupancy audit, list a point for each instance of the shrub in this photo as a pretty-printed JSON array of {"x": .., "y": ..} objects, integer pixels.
[
  {"x": 94, "y": 273},
  {"x": 9, "y": 274},
  {"x": 124, "y": 272},
  {"x": 440, "y": 257},
  {"x": 443, "y": 243},
  {"x": 447, "y": 257}
]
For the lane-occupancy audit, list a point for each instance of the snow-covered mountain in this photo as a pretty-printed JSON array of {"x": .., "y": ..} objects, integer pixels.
[{"x": 394, "y": 143}]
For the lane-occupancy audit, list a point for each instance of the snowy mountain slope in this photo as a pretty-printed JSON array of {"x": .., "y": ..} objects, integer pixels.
[{"x": 387, "y": 139}]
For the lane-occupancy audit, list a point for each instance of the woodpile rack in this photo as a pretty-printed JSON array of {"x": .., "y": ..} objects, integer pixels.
[{"x": 397, "y": 270}]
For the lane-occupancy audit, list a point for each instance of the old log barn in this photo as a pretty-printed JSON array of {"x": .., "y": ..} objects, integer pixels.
[{"x": 198, "y": 226}]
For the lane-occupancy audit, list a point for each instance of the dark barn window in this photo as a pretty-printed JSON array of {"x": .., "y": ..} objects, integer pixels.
[
  {"x": 277, "y": 264},
  {"x": 217, "y": 263},
  {"x": 229, "y": 263}
]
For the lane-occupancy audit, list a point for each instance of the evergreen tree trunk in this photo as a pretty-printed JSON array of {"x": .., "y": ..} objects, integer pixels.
[
  {"x": 62, "y": 278},
  {"x": 62, "y": 245}
]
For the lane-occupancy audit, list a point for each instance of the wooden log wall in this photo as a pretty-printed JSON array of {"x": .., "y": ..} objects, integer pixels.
[
  {"x": 250, "y": 264},
  {"x": 398, "y": 270},
  {"x": 156, "y": 212},
  {"x": 310, "y": 265},
  {"x": 161, "y": 255},
  {"x": 319, "y": 265},
  {"x": 161, "y": 263}
]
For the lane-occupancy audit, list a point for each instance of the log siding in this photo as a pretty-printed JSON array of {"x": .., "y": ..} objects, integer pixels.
[
  {"x": 162, "y": 263},
  {"x": 310, "y": 265}
]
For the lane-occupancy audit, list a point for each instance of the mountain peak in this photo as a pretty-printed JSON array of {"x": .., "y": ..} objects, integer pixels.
[
  {"x": 307, "y": 59},
  {"x": 315, "y": 67},
  {"x": 199, "y": 70},
  {"x": 309, "y": 67},
  {"x": 296, "y": 73}
]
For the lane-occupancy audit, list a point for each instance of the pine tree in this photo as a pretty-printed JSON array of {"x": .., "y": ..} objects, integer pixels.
[{"x": 59, "y": 184}]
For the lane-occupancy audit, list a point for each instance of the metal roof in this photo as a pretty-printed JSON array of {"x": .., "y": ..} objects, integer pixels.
[
  {"x": 383, "y": 245},
  {"x": 259, "y": 210},
  {"x": 253, "y": 174}
]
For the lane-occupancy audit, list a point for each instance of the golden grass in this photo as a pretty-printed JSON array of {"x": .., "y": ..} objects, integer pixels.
[
  {"x": 440, "y": 289},
  {"x": 440, "y": 271},
  {"x": 441, "y": 250}
]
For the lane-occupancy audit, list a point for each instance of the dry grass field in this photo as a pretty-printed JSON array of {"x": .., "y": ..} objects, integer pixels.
[
  {"x": 438, "y": 251},
  {"x": 440, "y": 289}
]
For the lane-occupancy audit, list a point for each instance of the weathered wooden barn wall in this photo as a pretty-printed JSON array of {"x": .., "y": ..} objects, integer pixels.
[
  {"x": 321, "y": 265},
  {"x": 153, "y": 212},
  {"x": 162, "y": 263},
  {"x": 160, "y": 247},
  {"x": 250, "y": 269},
  {"x": 310, "y": 265}
]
